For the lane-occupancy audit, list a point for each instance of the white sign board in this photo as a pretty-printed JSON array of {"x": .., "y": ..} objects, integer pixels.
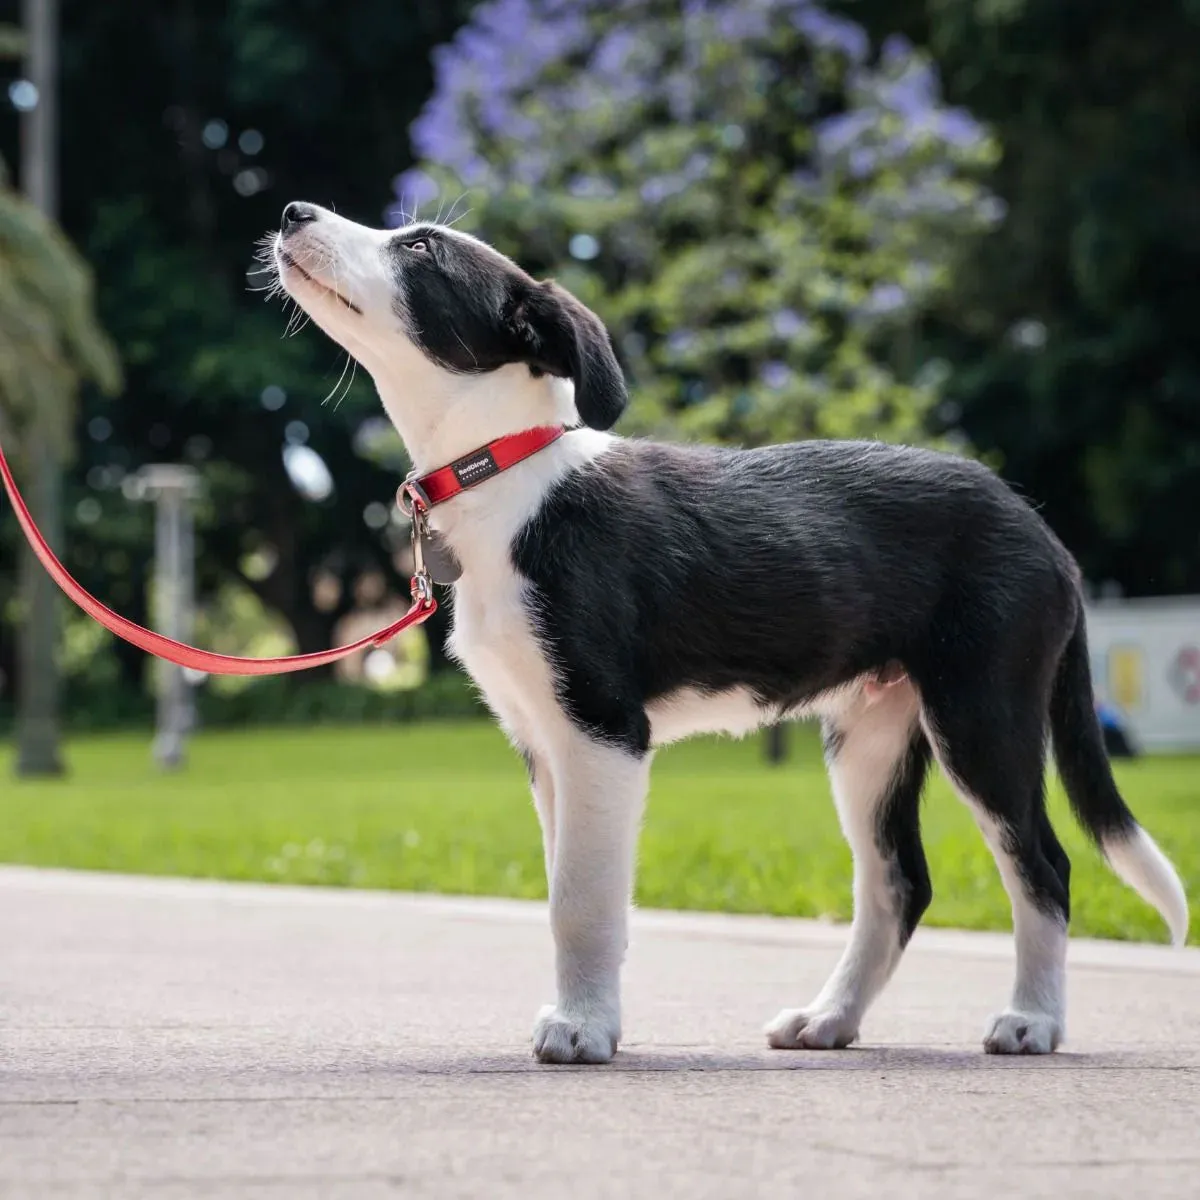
[{"x": 1146, "y": 661}]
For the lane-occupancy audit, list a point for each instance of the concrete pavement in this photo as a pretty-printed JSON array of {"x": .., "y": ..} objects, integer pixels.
[{"x": 165, "y": 1039}]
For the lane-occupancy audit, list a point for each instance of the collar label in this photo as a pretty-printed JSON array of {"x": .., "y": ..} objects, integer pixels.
[{"x": 475, "y": 468}]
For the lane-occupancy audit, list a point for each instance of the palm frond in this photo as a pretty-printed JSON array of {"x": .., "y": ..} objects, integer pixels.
[{"x": 50, "y": 339}]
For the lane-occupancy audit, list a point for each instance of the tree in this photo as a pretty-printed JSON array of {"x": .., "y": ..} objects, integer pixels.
[
  {"x": 1069, "y": 335},
  {"x": 760, "y": 215},
  {"x": 50, "y": 342}
]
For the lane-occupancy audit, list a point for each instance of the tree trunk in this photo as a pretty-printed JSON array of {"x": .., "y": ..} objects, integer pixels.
[
  {"x": 775, "y": 744},
  {"x": 38, "y": 695},
  {"x": 38, "y": 751},
  {"x": 313, "y": 631},
  {"x": 8, "y": 660}
]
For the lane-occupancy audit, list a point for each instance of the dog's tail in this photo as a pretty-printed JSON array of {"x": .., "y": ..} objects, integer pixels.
[{"x": 1083, "y": 765}]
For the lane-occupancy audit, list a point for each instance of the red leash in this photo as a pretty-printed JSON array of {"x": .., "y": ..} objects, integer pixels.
[
  {"x": 183, "y": 655},
  {"x": 421, "y": 494}
]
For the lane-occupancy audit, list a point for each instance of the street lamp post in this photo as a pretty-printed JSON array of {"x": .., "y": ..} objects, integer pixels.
[{"x": 172, "y": 488}]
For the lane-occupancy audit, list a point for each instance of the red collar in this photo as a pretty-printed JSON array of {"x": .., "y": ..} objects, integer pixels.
[{"x": 425, "y": 491}]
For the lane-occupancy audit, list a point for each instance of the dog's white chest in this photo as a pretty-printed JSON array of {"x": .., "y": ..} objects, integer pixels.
[{"x": 493, "y": 638}]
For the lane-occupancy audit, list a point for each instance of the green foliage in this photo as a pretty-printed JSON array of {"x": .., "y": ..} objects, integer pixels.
[
  {"x": 92, "y": 704},
  {"x": 1070, "y": 331},
  {"x": 272, "y": 702}
]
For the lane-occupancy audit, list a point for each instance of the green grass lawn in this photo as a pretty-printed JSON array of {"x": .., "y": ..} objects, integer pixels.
[{"x": 446, "y": 808}]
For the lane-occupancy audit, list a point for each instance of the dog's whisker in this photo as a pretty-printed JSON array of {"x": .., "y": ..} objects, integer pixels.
[
  {"x": 450, "y": 217},
  {"x": 296, "y": 322},
  {"x": 349, "y": 383},
  {"x": 333, "y": 390},
  {"x": 291, "y": 317}
]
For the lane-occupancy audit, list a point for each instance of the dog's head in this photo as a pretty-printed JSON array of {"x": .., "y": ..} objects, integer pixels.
[{"x": 431, "y": 312}]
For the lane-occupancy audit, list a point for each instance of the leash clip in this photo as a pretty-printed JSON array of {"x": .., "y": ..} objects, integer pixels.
[
  {"x": 414, "y": 504},
  {"x": 416, "y": 536},
  {"x": 422, "y": 587}
]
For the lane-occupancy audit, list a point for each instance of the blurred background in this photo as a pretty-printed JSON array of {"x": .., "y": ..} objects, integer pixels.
[{"x": 968, "y": 223}]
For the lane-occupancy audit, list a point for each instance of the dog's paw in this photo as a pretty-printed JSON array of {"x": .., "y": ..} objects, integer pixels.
[
  {"x": 811, "y": 1029},
  {"x": 1022, "y": 1033},
  {"x": 560, "y": 1038}
]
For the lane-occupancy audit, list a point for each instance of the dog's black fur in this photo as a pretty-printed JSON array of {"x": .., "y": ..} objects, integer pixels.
[
  {"x": 788, "y": 570},
  {"x": 793, "y": 570},
  {"x": 476, "y": 311}
]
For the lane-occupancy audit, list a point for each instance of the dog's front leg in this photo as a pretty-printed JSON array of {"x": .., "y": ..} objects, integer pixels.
[{"x": 599, "y": 794}]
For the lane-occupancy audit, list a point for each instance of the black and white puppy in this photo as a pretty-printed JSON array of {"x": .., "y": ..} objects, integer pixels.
[{"x": 617, "y": 595}]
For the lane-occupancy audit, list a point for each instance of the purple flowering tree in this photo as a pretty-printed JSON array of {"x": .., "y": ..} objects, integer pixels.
[{"x": 758, "y": 208}]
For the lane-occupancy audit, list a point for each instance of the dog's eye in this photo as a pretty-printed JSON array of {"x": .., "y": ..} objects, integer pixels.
[{"x": 419, "y": 246}]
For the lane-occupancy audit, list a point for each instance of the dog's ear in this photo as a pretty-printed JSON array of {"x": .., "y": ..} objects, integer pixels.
[{"x": 559, "y": 336}]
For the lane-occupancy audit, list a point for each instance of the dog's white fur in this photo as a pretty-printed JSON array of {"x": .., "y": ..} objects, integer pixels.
[{"x": 589, "y": 796}]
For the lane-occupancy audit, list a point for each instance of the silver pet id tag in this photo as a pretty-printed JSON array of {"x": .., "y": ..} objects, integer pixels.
[
  {"x": 440, "y": 562},
  {"x": 431, "y": 553}
]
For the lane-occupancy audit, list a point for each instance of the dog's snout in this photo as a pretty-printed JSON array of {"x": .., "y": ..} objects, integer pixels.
[{"x": 295, "y": 215}]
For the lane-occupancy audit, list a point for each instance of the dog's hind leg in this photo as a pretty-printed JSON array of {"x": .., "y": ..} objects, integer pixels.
[
  {"x": 990, "y": 740},
  {"x": 878, "y": 757},
  {"x": 599, "y": 795}
]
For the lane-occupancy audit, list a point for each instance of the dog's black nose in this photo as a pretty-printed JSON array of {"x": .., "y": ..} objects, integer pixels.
[{"x": 297, "y": 214}]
